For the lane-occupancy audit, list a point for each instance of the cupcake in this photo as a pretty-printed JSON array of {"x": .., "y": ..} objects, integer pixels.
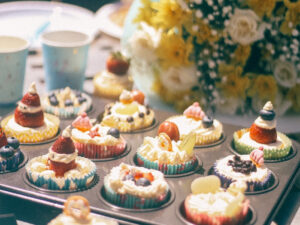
[
  {"x": 135, "y": 187},
  {"x": 96, "y": 142},
  {"x": 61, "y": 168},
  {"x": 30, "y": 124},
  {"x": 211, "y": 205},
  {"x": 66, "y": 103},
  {"x": 166, "y": 152},
  {"x": 115, "y": 75},
  {"x": 247, "y": 168},
  {"x": 77, "y": 211},
  {"x": 128, "y": 114},
  {"x": 263, "y": 133},
  {"x": 10, "y": 154},
  {"x": 207, "y": 130}
]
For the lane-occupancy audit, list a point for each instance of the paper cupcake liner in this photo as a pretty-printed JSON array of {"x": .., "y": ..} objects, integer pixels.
[
  {"x": 206, "y": 219},
  {"x": 94, "y": 151},
  {"x": 66, "y": 112},
  {"x": 133, "y": 202},
  {"x": 268, "y": 153},
  {"x": 251, "y": 185},
  {"x": 34, "y": 135},
  {"x": 203, "y": 140},
  {"x": 61, "y": 183},
  {"x": 166, "y": 168},
  {"x": 107, "y": 91},
  {"x": 10, "y": 163}
]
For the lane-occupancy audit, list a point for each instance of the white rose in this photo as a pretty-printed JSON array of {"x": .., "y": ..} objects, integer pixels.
[
  {"x": 179, "y": 78},
  {"x": 285, "y": 73},
  {"x": 243, "y": 27}
]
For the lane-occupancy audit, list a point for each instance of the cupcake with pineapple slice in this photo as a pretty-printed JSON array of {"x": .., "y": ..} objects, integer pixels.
[
  {"x": 210, "y": 204},
  {"x": 135, "y": 187},
  {"x": 129, "y": 113},
  {"x": 30, "y": 124},
  {"x": 96, "y": 142},
  {"x": 263, "y": 133},
  {"x": 194, "y": 119},
  {"x": 61, "y": 168},
  {"x": 166, "y": 152},
  {"x": 115, "y": 75}
]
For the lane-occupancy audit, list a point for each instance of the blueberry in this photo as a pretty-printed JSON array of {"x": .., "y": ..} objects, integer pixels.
[
  {"x": 143, "y": 182},
  {"x": 68, "y": 102},
  {"x": 81, "y": 100},
  {"x": 207, "y": 121},
  {"x": 53, "y": 100},
  {"x": 129, "y": 177},
  {"x": 237, "y": 158},
  {"x": 141, "y": 115},
  {"x": 6, "y": 151},
  {"x": 13, "y": 142},
  {"x": 129, "y": 119},
  {"x": 114, "y": 132},
  {"x": 267, "y": 115}
]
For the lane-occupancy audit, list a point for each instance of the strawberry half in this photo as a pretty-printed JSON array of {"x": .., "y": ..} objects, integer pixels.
[
  {"x": 261, "y": 135},
  {"x": 117, "y": 63}
]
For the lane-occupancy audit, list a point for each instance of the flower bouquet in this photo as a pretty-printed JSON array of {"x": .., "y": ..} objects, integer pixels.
[{"x": 231, "y": 56}]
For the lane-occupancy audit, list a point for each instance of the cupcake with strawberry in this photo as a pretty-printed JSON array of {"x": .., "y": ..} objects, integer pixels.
[
  {"x": 263, "y": 133},
  {"x": 30, "y": 124},
  {"x": 111, "y": 82}
]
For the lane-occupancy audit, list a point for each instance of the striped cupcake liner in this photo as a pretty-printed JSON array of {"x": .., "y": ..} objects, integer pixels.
[
  {"x": 66, "y": 113},
  {"x": 167, "y": 169},
  {"x": 10, "y": 163}
]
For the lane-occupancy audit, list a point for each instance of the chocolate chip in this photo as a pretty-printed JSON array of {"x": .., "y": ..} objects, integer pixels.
[{"x": 237, "y": 158}]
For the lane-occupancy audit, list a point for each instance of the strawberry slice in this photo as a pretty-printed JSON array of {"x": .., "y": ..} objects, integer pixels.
[
  {"x": 117, "y": 63},
  {"x": 148, "y": 176},
  {"x": 263, "y": 136}
]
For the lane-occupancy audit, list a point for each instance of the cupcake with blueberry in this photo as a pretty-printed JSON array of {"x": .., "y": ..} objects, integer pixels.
[
  {"x": 247, "y": 168},
  {"x": 96, "y": 141},
  {"x": 61, "y": 168},
  {"x": 30, "y": 124},
  {"x": 263, "y": 133},
  {"x": 129, "y": 113},
  {"x": 66, "y": 103},
  {"x": 194, "y": 119},
  {"x": 115, "y": 75},
  {"x": 166, "y": 152},
  {"x": 135, "y": 187},
  {"x": 10, "y": 154}
]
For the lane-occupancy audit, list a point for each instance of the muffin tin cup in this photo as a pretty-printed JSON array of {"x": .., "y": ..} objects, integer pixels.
[
  {"x": 218, "y": 142},
  {"x": 22, "y": 161}
]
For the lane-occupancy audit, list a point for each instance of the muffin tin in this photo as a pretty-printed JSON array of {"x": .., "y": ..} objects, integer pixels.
[{"x": 264, "y": 205}]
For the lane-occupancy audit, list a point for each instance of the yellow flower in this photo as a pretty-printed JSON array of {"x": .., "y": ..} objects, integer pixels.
[
  {"x": 169, "y": 14},
  {"x": 173, "y": 50},
  {"x": 294, "y": 96},
  {"x": 292, "y": 17},
  {"x": 264, "y": 87},
  {"x": 232, "y": 84},
  {"x": 262, "y": 7},
  {"x": 145, "y": 13},
  {"x": 241, "y": 54}
]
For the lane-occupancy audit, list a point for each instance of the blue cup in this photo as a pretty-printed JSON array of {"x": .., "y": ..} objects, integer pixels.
[
  {"x": 13, "y": 55},
  {"x": 65, "y": 56}
]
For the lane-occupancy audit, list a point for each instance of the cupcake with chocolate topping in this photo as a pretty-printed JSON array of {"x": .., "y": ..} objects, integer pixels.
[
  {"x": 263, "y": 133},
  {"x": 194, "y": 119},
  {"x": 129, "y": 113},
  {"x": 30, "y": 124}
]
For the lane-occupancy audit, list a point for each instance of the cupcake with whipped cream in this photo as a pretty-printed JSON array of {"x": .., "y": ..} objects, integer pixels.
[
  {"x": 194, "y": 119},
  {"x": 135, "y": 187},
  {"x": 129, "y": 113},
  {"x": 263, "y": 133},
  {"x": 96, "y": 142},
  {"x": 210, "y": 204},
  {"x": 61, "y": 168},
  {"x": 30, "y": 124}
]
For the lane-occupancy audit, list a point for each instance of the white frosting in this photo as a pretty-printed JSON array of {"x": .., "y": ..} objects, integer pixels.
[
  {"x": 246, "y": 139},
  {"x": 157, "y": 188},
  {"x": 28, "y": 109},
  {"x": 17, "y": 127},
  {"x": 62, "y": 158},
  {"x": 32, "y": 88},
  {"x": 125, "y": 95},
  {"x": 108, "y": 79},
  {"x": 266, "y": 124},
  {"x": 67, "y": 132},
  {"x": 260, "y": 175},
  {"x": 268, "y": 106}
]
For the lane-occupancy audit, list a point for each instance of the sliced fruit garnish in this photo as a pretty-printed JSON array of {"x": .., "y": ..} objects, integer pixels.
[
  {"x": 203, "y": 185},
  {"x": 127, "y": 109},
  {"x": 149, "y": 176},
  {"x": 188, "y": 143}
]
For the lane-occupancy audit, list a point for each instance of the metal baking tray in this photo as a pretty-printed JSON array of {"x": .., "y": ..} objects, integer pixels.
[{"x": 264, "y": 205}]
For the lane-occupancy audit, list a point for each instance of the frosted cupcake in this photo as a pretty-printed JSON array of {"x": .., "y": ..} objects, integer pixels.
[
  {"x": 115, "y": 75},
  {"x": 210, "y": 204},
  {"x": 129, "y": 114},
  {"x": 166, "y": 153},
  {"x": 96, "y": 142},
  {"x": 66, "y": 103},
  {"x": 207, "y": 130},
  {"x": 30, "y": 124},
  {"x": 135, "y": 187},
  {"x": 263, "y": 133},
  {"x": 77, "y": 211},
  {"x": 61, "y": 168}
]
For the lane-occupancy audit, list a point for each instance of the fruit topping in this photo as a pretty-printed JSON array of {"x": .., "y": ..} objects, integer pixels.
[
  {"x": 129, "y": 177},
  {"x": 204, "y": 185},
  {"x": 207, "y": 121},
  {"x": 3, "y": 140},
  {"x": 241, "y": 166},
  {"x": 141, "y": 115},
  {"x": 6, "y": 151},
  {"x": 170, "y": 129},
  {"x": 165, "y": 142},
  {"x": 143, "y": 182},
  {"x": 257, "y": 157},
  {"x": 237, "y": 187},
  {"x": 126, "y": 97},
  {"x": 82, "y": 122},
  {"x": 69, "y": 102},
  {"x": 261, "y": 135},
  {"x": 114, "y": 132},
  {"x": 94, "y": 133},
  {"x": 81, "y": 100},
  {"x": 13, "y": 142},
  {"x": 149, "y": 176},
  {"x": 188, "y": 143},
  {"x": 138, "y": 96},
  {"x": 64, "y": 144},
  {"x": 117, "y": 63},
  {"x": 129, "y": 119},
  {"x": 78, "y": 207},
  {"x": 267, "y": 115},
  {"x": 53, "y": 100},
  {"x": 194, "y": 111}
]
